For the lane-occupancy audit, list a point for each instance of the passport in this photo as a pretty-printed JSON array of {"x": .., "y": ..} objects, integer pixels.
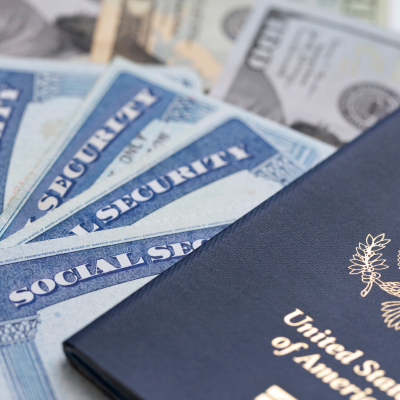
[{"x": 298, "y": 299}]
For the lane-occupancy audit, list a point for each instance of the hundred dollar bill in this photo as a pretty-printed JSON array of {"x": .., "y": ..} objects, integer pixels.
[
  {"x": 41, "y": 28},
  {"x": 125, "y": 101},
  {"x": 231, "y": 158},
  {"x": 328, "y": 76},
  {"x": 50, "y": 290},
  {"x": 198, "y": 33},
  {"x": 42, "y": 97}
]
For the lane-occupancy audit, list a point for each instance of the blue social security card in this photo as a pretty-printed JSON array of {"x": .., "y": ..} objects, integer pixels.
[
  {"x": 50, "y": 290},
  {"x": 38, "y": 98},
  {"x": 120, "y": 106},
  {"x": 228, "y": 161}
]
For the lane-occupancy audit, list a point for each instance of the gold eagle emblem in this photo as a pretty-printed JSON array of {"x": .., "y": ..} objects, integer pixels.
[{"x": 367, "y": 261}]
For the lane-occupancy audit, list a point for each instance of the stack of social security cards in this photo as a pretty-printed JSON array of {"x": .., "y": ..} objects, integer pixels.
[{"x": 111, "y": 174}]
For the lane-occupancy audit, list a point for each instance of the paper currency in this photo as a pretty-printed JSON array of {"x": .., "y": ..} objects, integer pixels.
[
  {"x": 376, "y": 11},
  {"x": 330, "y": 77},
  {"x": 43, "y": 28},
  {"x": 232, "y": 158},
  {"x": 117, "y": 30},
  {"x": 122, "y": 104},
  {"x": 194, "y": 33},
  {"x": 50, "y": 290}
]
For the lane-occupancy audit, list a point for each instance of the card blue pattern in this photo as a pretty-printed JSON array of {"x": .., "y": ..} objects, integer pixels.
[
  {"x": 48, "y": 85},
  {"x": 22, "y": 83},
  {"x": 122, "y": 90},
  {"x": 20, "y": 361},
  {"x": 231, "y": 133}
]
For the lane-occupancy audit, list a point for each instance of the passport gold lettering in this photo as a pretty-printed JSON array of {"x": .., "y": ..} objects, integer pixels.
[
  {"x": 286, "y": 346},
  {"x": 321, "y": 371},
  {"x": 369, "y": 369},
  {"x": 275, "y": 392},
  {"x": 322, "y": 338}
]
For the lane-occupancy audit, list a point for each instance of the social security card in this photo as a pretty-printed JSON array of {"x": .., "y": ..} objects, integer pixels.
[
  {"x": 36, "y": 99},
  {"x": 51, "y": 290},
  {"x": 216, "y": 166},
  {"x": 122, "y": 104}
]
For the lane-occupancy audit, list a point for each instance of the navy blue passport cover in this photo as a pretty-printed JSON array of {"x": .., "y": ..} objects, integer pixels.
[{"x": 269, "y": 307}]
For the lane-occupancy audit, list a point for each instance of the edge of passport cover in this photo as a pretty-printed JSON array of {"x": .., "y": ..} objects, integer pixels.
[
  {"x": 152, "y": 376},
  {"x": 96, "y": 375}
]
